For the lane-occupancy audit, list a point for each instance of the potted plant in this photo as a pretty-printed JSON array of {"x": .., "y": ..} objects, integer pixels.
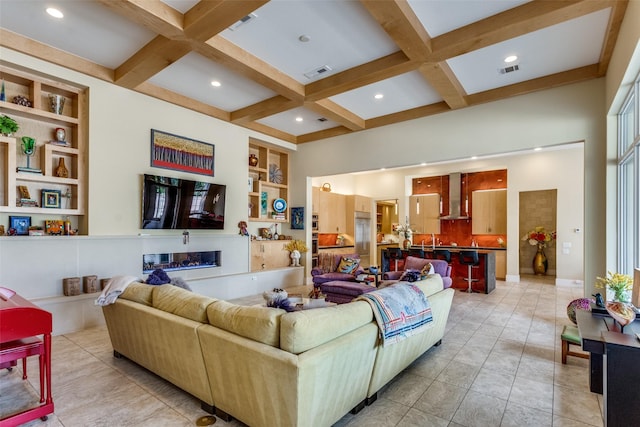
[
  {"x": 619, "y": 284},
  {"x": 8, "y": 125},
  {"x": 296, "y": 247}
]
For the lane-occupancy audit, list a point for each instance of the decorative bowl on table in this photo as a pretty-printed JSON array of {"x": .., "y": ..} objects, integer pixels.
[{"x": 621, "y": 312}]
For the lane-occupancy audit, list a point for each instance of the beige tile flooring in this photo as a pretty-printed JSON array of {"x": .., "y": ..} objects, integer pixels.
[{"x": 499, "y": 365}]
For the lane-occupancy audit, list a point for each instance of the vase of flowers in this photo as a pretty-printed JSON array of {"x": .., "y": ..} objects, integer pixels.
[
  {"x": 405, "y": 233},
  {"x": 540, "y": 237},
  {"x": 296, "y": 247},
  {"x": 617, "y": 285}
]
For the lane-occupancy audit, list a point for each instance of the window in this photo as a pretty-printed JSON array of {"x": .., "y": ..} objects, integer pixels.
[{"x": 629, "y": 183}]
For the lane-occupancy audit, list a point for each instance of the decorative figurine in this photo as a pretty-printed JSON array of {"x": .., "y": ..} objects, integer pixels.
[
  {"x": 599, "y": 300},
  {"x": 28, "y": 148},
  {"x": 61, "y": 135},
  {"x": 242, "y": 225}
]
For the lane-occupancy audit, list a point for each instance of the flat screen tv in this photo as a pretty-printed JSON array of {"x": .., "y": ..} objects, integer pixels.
[{"x": 175, "y": 203}]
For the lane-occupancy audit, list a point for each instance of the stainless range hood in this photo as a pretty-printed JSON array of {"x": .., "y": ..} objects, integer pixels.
[{"x": 455, "y": 198}]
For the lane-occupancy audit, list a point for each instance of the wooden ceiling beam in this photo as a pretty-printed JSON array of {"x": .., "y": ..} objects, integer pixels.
[
  {"x": 362, "y": 75},
  {"x": 263, "y": 109},
  {"x": 529, "y": 17},
  {"x": 268, "y": 130},
  {"x": 210, "y": 17},
  {"x": 441, "y": 77},
  {"x": 559, "y": 79},
  {"x": 611, "y": 35},
  {"x": 322, "y": 134},
  {"x": 30, "y": 47},
  {"x": 336, "y": 113},
  {"x": 414, "y": 113},
  {"x": 400, "y": 22},
  {"x": 230, "y": 55},
  {"x": 181, "y": 100},
  {"x": 158, "y": 54},
  {"x": 156, "y": 16}
]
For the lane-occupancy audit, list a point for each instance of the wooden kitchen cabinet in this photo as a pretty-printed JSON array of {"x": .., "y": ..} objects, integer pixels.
[
  {"x": 359, "y": 203},
  {"x": 332, "y": 213},
  {"x": 489, "y": 214},
  {"x": 424, "y": 213},
  {"x": 501, "y": 265},
  {"x": 269, "y": 254}
]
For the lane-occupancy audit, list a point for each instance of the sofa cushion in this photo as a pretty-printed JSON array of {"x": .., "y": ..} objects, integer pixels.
[
  {"x": 430, "y": 285},
  {"x": 181, "y": 302},
  {"x": 138, "y": 292},
  {"x": 303, "y": 330},
  {"x": 260, "y": 324},
  {"x": 348, "y": 265}
]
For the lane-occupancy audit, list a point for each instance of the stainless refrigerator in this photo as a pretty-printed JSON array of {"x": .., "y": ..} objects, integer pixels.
[{"x": 362, "y": 238}]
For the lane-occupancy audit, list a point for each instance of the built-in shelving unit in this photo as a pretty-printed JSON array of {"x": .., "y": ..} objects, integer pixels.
[
  {"x": 268, "y": 181},
  {"x": 38, "y": 122}
]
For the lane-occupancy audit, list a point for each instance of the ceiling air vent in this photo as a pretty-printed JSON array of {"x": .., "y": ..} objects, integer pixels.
[
  {"x": 244, "y": 20},
  {"x": 509, "y": 69},
  {"x": 317, "y": 72},
  {"x": 322, "y": 119}
]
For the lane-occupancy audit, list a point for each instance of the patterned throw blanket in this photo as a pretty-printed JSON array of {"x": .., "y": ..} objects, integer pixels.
[{"x": 401, "y": 310}]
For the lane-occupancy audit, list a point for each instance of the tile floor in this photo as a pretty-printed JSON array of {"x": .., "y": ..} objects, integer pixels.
[{"x": 499, "y": 365}]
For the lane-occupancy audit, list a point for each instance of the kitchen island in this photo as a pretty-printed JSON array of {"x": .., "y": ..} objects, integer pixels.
[{"x": 485, "y": 272}]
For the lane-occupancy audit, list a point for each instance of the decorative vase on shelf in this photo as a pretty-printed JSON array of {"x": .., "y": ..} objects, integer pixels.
[
  {"x": 253, "y": 160},
  {"x": 540, "y": 262},
  {"x": 406, "y": 244},
  {"x": 61, "y": 170}
]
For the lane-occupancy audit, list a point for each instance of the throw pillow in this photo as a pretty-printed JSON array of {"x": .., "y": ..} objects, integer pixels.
[
  {"x": 578, "y": 304},
  {"x": 427, "y": 269},
  {"x": 348, "y": 265},
  {"x": 410, "y": 275}
]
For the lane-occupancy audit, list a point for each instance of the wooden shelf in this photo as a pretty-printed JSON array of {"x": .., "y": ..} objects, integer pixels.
[
  {"x": 267, "y": 155},
  {"x": 39, "y": 123}
]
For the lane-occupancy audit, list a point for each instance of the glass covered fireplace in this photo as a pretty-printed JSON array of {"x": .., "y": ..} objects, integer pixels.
[{"x": 181, "y": 261}]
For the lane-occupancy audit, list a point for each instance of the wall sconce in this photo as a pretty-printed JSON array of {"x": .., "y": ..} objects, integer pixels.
[
  {"x": 396, "y": 207},
  {"x": 418, "y": 206},
  {"x": 326, "y": 187}
]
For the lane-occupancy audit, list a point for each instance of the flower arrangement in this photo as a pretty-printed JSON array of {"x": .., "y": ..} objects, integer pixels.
[
  {"x": 618, "y": 283},
  {"x": 296, "y": 245},
  {"x": 404, "y": 230},
  {"x": 539, "y": 236}
]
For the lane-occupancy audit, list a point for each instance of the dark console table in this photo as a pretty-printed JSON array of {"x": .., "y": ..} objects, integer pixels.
[{"x": 614, "y": 365}]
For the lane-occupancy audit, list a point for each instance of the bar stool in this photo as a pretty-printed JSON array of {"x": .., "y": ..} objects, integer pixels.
[
  {"x": 416, "y": 252},
  {"x": 470, "y": 259},
  {"x": 394, "y": 254},
  {"x": 442, "y": 254}
]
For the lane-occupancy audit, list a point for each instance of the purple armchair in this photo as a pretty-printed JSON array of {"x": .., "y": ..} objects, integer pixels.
[
  {"x": 327, "y": 266},
  {"x": 414, "y": 263}
]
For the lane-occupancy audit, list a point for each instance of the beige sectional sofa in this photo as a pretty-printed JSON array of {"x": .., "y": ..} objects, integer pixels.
[{"x": 264, "y": 366}]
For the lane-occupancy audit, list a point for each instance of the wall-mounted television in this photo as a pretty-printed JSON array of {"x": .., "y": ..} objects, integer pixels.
[{"x": 176, "y": 203}]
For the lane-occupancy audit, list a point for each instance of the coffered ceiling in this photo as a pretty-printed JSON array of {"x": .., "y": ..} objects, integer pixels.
[{"x": 303, "y": 70}]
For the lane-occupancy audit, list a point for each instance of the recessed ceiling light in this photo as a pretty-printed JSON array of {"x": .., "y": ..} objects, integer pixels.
[
  {"x": 510, "y": 58},
  {"x": 378, "y": 96},
  {"x": 215, "y": 83},
  {"x": 299, "y": 119},
  {"x": 55, "y": 12},
  {"x": 304, "y": 38},
  {"x": 537, "y": 149},
  {"x": 423, "y": 164},
  {"x": 474, "y": 157}
]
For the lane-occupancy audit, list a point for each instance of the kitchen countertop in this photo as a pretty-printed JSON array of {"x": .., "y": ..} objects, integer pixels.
[{"x": 453, "y": 248}]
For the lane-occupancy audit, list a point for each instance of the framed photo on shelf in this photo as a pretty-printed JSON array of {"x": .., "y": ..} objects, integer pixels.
[
  {"x": 54, "y": 227},
  {"x": 51, "y": 198},
  {"x": 21, "y": 224}
]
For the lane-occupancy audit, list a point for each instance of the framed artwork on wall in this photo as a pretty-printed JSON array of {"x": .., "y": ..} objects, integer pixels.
[
  {"x": 178, "y": 153},
  {"x": 297, "y": 218}
]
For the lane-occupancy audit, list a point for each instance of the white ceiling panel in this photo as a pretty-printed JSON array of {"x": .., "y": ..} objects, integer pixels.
[
  {"x": 192, "y": 75},
  {"x": 562, "y": 47},
  {"x": 342, "y": 35},
  {"x": 441, "y": 16},
  {"x": 286, "y": 121},
  {"x": 181, "y": 6},
  {"x": 87, "y": 30},
  {"x": 403, "y": 92}
]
